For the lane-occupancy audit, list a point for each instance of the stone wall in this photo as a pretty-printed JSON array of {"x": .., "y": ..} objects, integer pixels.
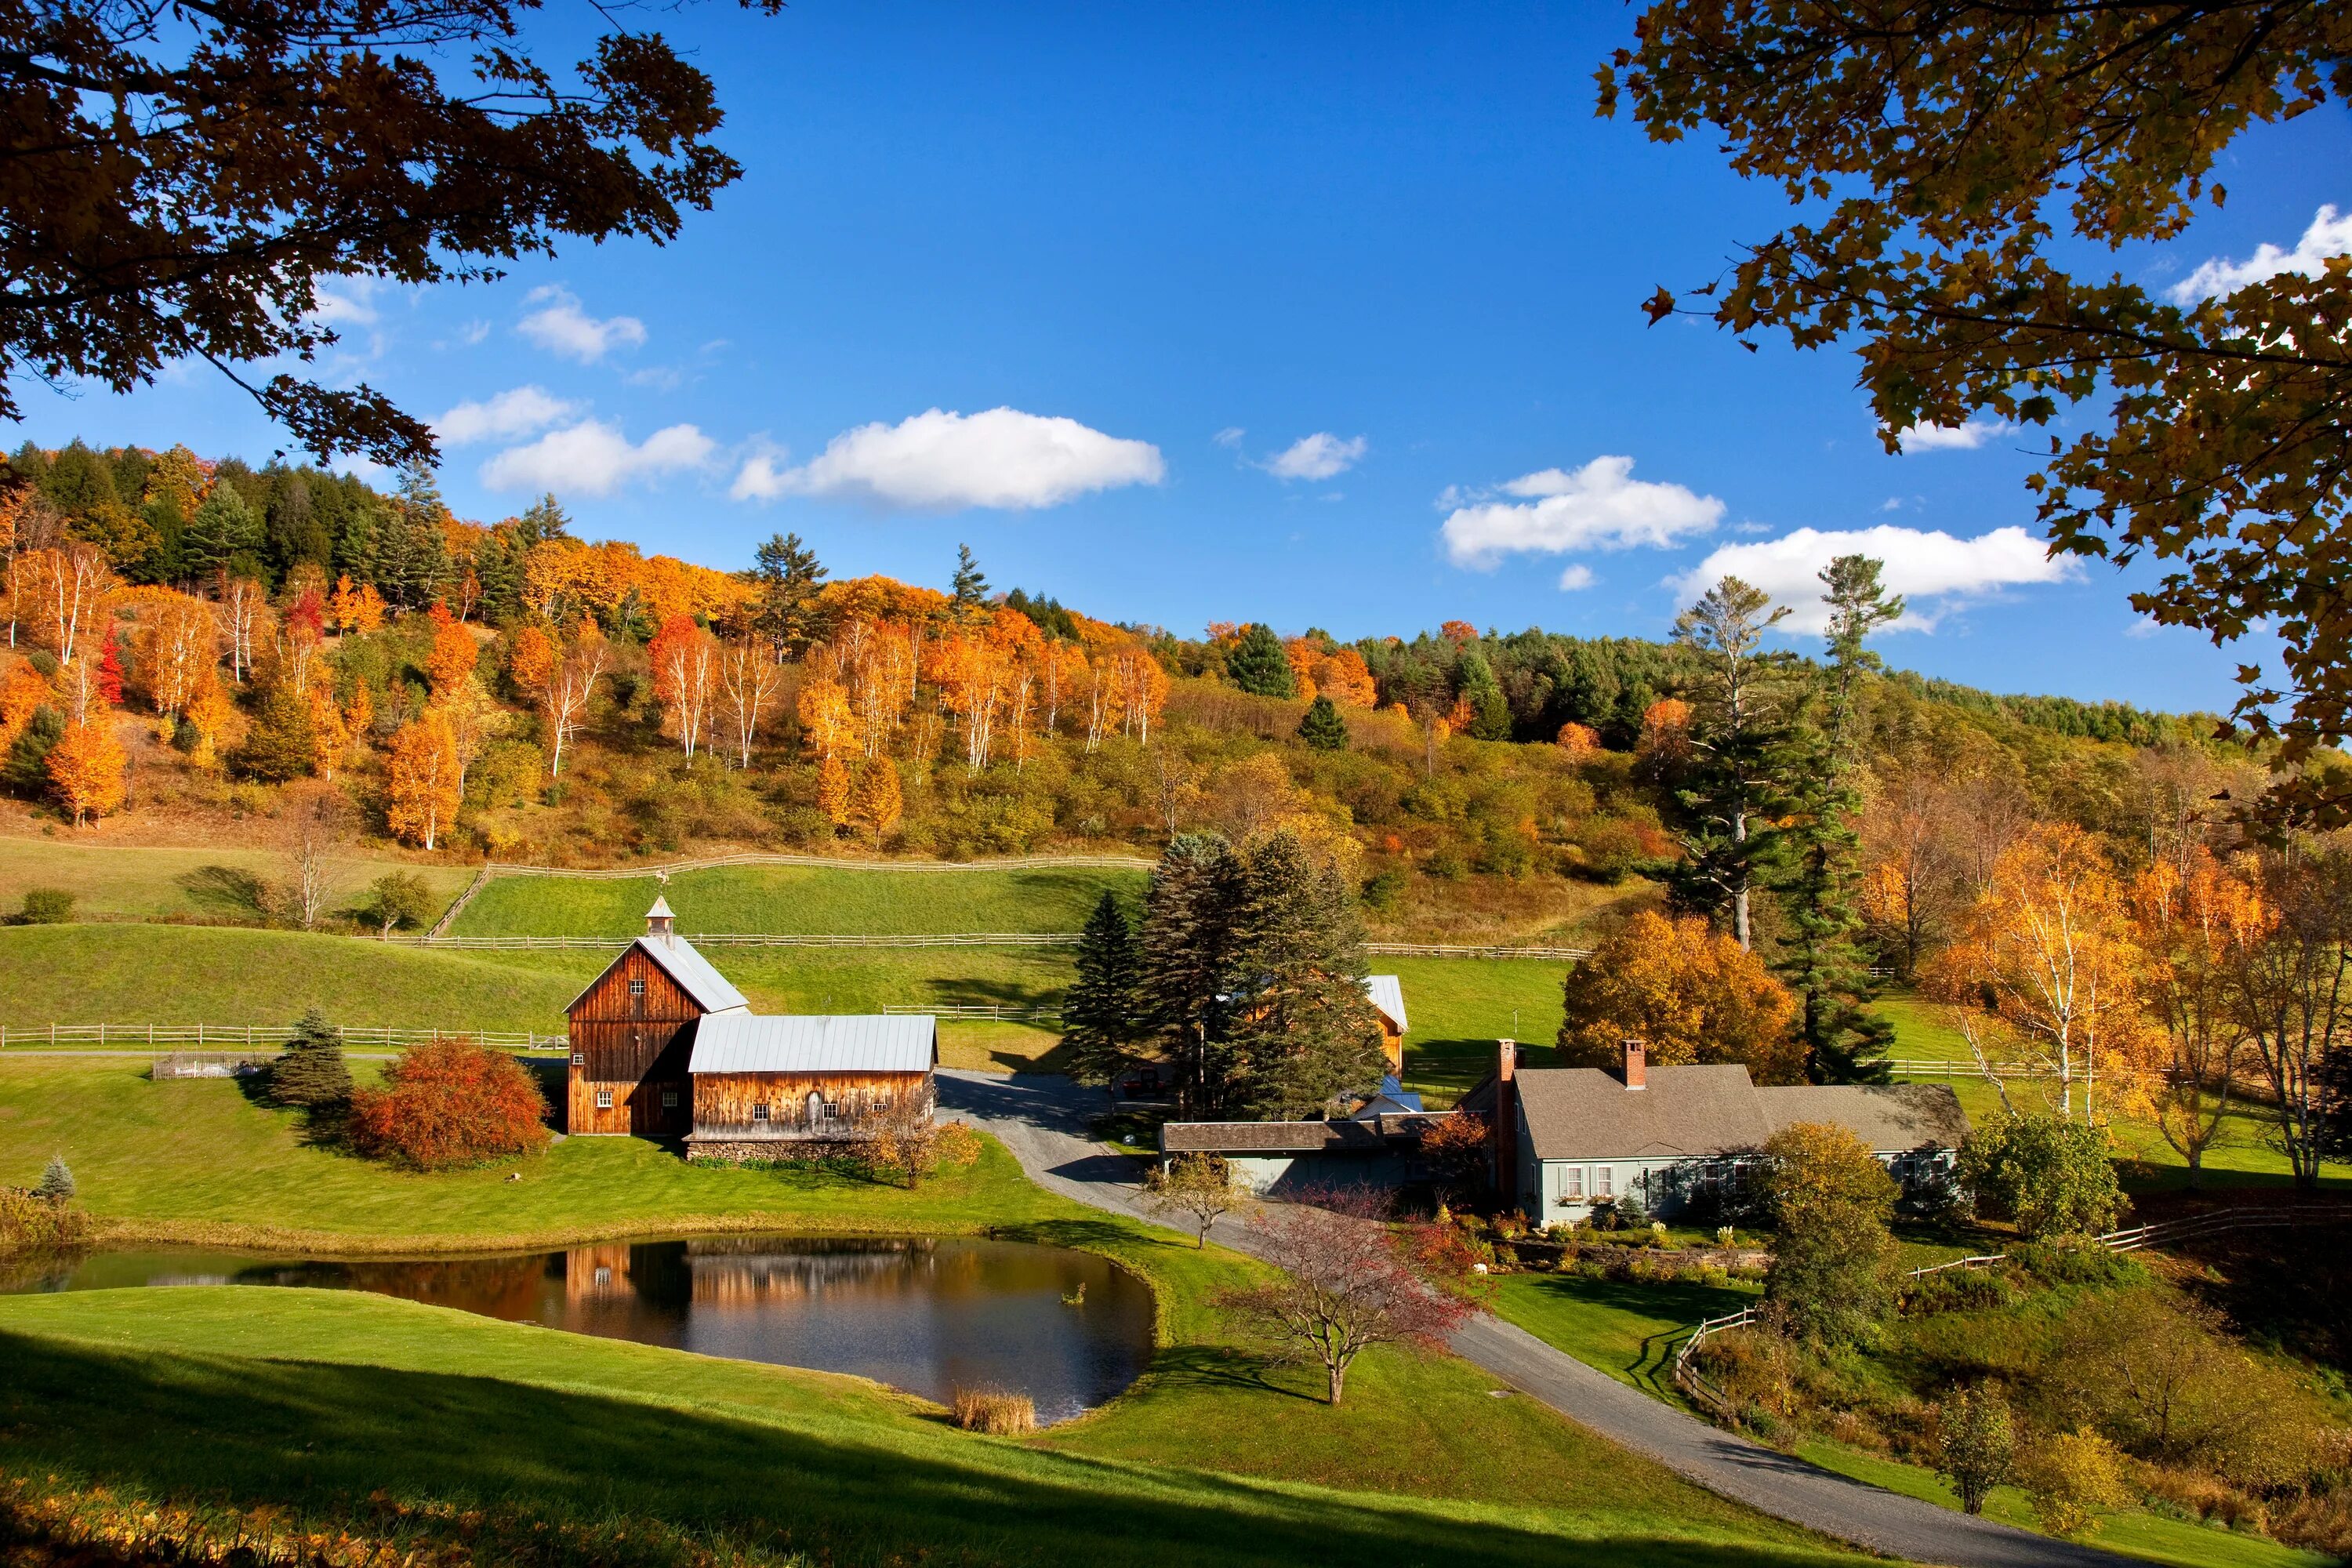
[{"x": 776, "y": 1151}]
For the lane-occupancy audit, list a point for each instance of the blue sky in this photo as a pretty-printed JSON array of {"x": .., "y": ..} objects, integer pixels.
[{"x": 1318, "y": 316}]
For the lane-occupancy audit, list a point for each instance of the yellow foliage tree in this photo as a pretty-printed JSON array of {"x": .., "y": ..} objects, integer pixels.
[
  {"x": 178, "y": 639},
  {"x": 1581, "y": 741},
  {"x": 2188, "y": 924},
  {"x": 85, "y": 769},
  {"x": 879, "y": 803},
  {"x": 1689, "y": 993},
  {"x": 824, "y": 712},
  {"x": 531, "y": 657},
  {"x": 833, "y": 791},
  {"x": 421, "y": 780},
  {"x": 208, "y": 711},
  {"x": 453, "y": 655}
]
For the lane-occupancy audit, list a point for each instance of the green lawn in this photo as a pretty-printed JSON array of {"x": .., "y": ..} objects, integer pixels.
[
  {"x": 1459, "y": 1008},
  {"x": 129, "y": 882},
  {"x": 899, "y": 900},
  {"x": 307, "y": 1397},
  {"x": 1625, "y": 1328}
]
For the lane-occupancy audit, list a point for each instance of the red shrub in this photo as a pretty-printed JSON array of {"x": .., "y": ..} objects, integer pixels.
[{"x": 448, "y": 1104}]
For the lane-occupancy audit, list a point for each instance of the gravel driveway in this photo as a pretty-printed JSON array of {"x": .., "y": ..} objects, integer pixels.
[{"x": 1043, "y": 1120}]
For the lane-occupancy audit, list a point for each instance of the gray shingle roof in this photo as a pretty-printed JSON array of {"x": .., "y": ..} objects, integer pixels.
[
  {"x": 1583, "y": 1113},
  {"x": 1387, "y": 993},
  {"x": 753, "y": 1042},
  {"x": 1891, "y": 1118},
  {"x": 1273, "y": 1137}
]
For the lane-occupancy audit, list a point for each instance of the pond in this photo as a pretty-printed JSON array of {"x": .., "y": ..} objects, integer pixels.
[{"x": 925, "y": 1314}]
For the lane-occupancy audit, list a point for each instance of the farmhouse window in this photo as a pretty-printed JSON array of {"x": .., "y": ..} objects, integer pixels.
[
  {"x": 759, "y": 1111},
  {"x": 603, "y": 1099},
  {"x": 1572, "y": 1183},
  {"x": 637, "y": 986},
  {"x": 1604, "y": 1181},
  {"x": 580, "y": 1058}
]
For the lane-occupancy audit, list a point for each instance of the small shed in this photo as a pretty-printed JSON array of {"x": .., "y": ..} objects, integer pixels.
[
  {"x": 1282, "y": 1158},
  {"x": 1387, "y": 993},
  {"x": 764, "y": 1085}
]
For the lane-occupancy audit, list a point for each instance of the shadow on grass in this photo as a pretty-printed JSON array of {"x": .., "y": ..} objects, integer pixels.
[
  {"x": 1680, "y": 1304},
  {"x": 227, "y": 891},
  {"x": 309, "y": 1437}
]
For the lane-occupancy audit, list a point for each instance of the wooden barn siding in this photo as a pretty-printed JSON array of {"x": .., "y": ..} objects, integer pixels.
[
  {"x": 723, "y": 1101},
  {"x": 1393, "y": 1045},
  {"x": 632, "y": 1048}
]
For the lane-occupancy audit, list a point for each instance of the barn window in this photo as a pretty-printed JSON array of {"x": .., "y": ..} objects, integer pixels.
[
  {"x": 759, "y": 1111},
  {"x": 669, "y": 1099},
  {"x": 603, "y": 1099},
  {"x": 580, "y": 1058},
  {"x": 637, "y": 987}
]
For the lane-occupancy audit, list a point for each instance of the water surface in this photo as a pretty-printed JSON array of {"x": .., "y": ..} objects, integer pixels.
[{"x": 925, "y": 1314}]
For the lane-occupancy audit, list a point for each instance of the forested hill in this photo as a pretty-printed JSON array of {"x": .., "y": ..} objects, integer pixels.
[{"x": 509, "y": 689}]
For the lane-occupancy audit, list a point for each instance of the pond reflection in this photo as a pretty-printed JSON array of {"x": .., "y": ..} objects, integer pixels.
[{"x": 925, "y": 1314}]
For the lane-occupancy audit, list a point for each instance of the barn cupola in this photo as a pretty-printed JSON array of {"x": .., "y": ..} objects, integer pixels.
[{"x": 660, "y": 921}]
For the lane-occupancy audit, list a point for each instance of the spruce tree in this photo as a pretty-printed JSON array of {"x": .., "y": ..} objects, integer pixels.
[
  {"x": 1819, "y": 849},
  {"x": 312, "y": 1074},
  {"x": 1257, "y": 663},
  {"x": 1737, "y": 733},
  {"x": 970, "y": 587},
  {"x": 788, "y": 575},
  {"x": 1490, "y": 712},
  {"x": 56, "y": 1183},
  {"x": 1185, "y": 975},
  {"x": 1304, "y": 1031},
  {"x": 1098, "y": 1017},
  {"x": 1322, "y": 728},
  {"x": 26, "y": 770},
  {"x": 545, "y": 520},
  {"x": 223, "y": 529}
]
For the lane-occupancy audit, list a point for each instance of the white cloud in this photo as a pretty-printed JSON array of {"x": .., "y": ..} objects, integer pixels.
[
  {"x": 941, "y": 461},
  {"x": 1965, "y": 437},
  {"x": 563, "y": 327},
  {"x": 1576, "y": 577},
  {"x": 764, "y": 474},
  {"x": 592, "y": 457},
  {"x": 1928, "y": 569},
  {"x": 346, "y": 302},
  {"x": 514, "y": 413},
  {"x": 473, "y": 331},
  {"x": 1231, "y": 436},
  {"x": 1317, "y": 457},
  {"x": 2329, "y": 235},
  {"x": 1600, "y": 506}
]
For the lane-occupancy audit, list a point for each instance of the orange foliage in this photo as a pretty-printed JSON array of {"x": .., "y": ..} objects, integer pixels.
[
  {"x": 63, "y": 595},
  {"x": 685, "y": 678},
  {"x": 531, "y": 658},
  {"x": 1689, "y": 993},
  {"x": 1347, "y": 679},
  {"x": 564, "y": 579},
  {"x": 421, "y": 780},
  {"x": 879, "y": 803},
  {"x": 359, "y": 609},
  {"x": 453, "y": 655},
  {"x": 208, "y": 710},
  {"x": 833, "y": 791},
  {"x": 1458, "y": 632},
  {"x": 448, "y": 1104},
  {"x": 177, "y": 642},
  {"x": 1579, "y": 741},
  {"x": 86, "y": 770},
  {"x": 22, "y": 692},
  {"x": 823, "y": 710},
  {"x": 1303, "y": 656}
]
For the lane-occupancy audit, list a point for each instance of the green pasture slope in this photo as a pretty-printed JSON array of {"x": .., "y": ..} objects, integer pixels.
[
  {"x": 311, "y": 1398},
  {"x": 910, "y": 900},
  {"x": 115, "y": 881}
]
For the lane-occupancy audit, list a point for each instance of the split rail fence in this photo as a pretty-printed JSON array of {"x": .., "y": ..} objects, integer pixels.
[
  {"x": 2163, "y": 1233},
  {"x": 171, "y": 1037},
  {"x": 938, "y": 938}
]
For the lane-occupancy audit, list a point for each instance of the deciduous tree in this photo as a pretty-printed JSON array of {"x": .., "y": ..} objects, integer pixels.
[
  {"x": 1689, "y": 993},
  {"x": 450, "y": 1104},
  {"x": 1832, "y": 1275},
  {"x": 748, "y": 682},
  {"x": 1197, "y": 1187},
  {"x": 2189, "y": 924},
  {"x": 453, "y": 655},
  {"x": 86, "y": 768},
  {"x": 422, "y": 782},
  {"x": 2292, "y": 992}
]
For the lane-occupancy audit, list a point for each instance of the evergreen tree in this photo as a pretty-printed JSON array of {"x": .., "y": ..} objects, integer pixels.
[
  {"x": 788, "y": 575},
  {"x": 1490, "y": 710},
  {"x": 312, "y": 1074},
  {"x": 970, "y": 587},
  {"x": 1820, "y": 846},
  {"x": 412, "y": 565},
  {"x": 56, "y": 1183},
  {"x": 1304, "y": 1032},
  {"x": 1739, "y": 728},
  {"x": 222, "y": 530},
  {"x": 282, "y": 745},
  {"x": 1259, "y": 664},
  {"x": 1322, "y": 728},
  {"x": 358, "y": 522},
  {"x": 497, "y": 569},
  {"x": 1099, "y": 1016},
  {"x": 1184, "y": 977},
  {"x": 295, "y": 533},
  {"x": 27, "y": 768},
  {"x": 78, "y": 480}
]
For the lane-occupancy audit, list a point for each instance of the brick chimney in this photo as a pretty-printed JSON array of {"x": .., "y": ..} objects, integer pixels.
[
  {"x": 658, "y": 919},
  {"x": 1637, "y": 1065},
  {"x": 1504, "y": 1130}
]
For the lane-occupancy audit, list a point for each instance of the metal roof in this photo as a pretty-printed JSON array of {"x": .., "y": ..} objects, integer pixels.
[
  {"x": 754, "y": 1042},
  {"x": 710, "y": 990},
  {"x": 1387, "y": 993},
  {"x": 661, "y": 910}
]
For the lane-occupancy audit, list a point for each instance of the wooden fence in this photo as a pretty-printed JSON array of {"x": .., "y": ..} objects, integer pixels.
[
  {"x": 166, "y": 1038},
  {"x": 2163, "y": 1233},
  {"x": 763, "y": 939},
  {"x": 1002, "y": 1010},
  {"x": 824, "y": 862},
  {"x": 1458, "y": 950},
  {"x": 1947, "y": 1066}
]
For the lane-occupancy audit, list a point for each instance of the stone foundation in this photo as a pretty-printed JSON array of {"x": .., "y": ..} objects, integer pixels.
[{"x": 775, "y": 1150}]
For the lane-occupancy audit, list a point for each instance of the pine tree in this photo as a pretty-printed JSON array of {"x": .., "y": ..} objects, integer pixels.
[
  {"x": 56, "y": 1183},
  {"x": 1732, "y": 792},
  {"x": 544, "y": 520},
  {"x": 1185, "y": 976},
  {"x": 970, "y": 587},
  {"x": 788, "y": 575},
  {"x": 283, "y": 743},
  {"x": 222, "y": 529},
  {"x": 1322, "y": 728},
  {"x": 26, "y": 770},
  {"x": 311, "y": 1074},
  {"x": 1304, "y": 1032},
  {"x": 1490, "y": 710},
  {"x": 1817, "y": 874},
  {"x": 295, "y": 532},
  {"x": 1099, "y": 1016},
  {"x": 1259, "y": 664}
]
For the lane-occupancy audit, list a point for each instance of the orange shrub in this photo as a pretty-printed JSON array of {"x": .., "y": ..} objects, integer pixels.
[{"x": 448, "y": 1104}]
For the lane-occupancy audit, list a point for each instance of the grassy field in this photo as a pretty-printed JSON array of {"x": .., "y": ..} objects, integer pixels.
[
  {"x": 1459, "y": 1008},
  {"x": 1626, "y": 1329},
  {"x": 900, "y": 900},
  {"x": 306, "y": 1397},
  {"x": 127, "y": 882}
]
